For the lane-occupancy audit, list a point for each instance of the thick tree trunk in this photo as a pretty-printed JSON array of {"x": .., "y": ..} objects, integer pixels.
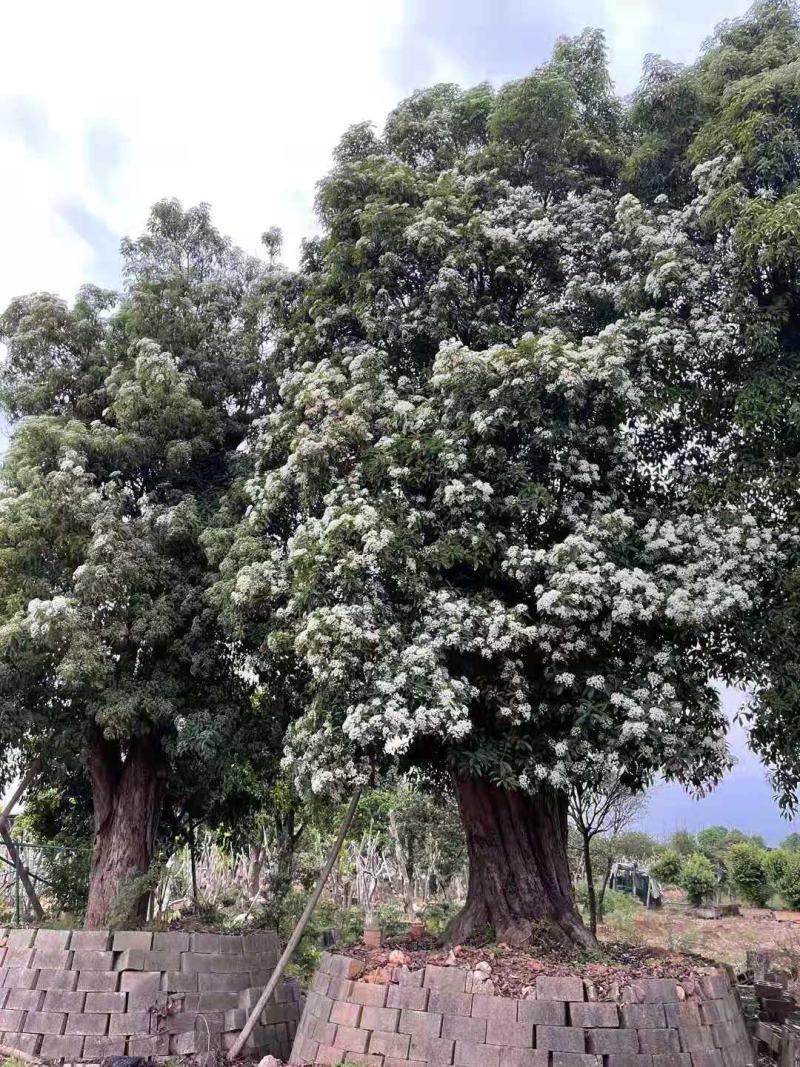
[
  {"x": 519, "y": 880},
  {"x": 127, "y": 803}
]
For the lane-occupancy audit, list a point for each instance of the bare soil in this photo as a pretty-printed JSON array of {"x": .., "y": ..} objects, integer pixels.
[
  {"x": 725, "y": 940},
  {"x": 512, "y": 971}
]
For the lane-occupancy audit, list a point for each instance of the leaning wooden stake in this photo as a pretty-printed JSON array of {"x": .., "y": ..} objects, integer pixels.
[
  {"x": 298, "y": 932},
  {"x": 13, "y": 851}
]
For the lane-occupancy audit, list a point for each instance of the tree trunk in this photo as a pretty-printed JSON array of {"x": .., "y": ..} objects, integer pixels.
[
  {"x": 602, "y": 895},
  {"x": 519, "y": 880},
  {"x": 590, "y": 894},
  {"x": 127, "y": 800}
]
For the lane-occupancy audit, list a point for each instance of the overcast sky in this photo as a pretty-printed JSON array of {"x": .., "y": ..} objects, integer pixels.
[{"x": 105, "y": 108}]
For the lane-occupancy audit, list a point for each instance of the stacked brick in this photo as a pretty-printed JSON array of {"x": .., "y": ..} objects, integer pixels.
[
  {"x": 432, "y": 1016},
  {"x": 86, "y": 994}
]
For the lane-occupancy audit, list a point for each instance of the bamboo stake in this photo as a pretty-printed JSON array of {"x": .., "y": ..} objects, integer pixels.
[
  {"x": 13, "y": 851},
  {"x": 298, "y": 932}
]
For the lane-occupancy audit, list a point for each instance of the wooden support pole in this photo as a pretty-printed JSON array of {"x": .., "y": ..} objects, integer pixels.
[
  {"x": 13, "y": 851},
  {"x": 298, "y": 932}
]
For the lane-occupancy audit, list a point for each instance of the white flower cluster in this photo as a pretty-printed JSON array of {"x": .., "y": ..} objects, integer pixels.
[{"x": 476, "y": 553}]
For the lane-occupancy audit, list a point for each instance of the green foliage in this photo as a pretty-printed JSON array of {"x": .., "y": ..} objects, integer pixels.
[
  {"x": 667, "y": 867},
  {"x": 789, "y": 880},
  {"x": 791, "y": 843},
  {"x": 133, "y": 406},
  {"x": 682, "y": 842},
  {"x": 749, "y": 872},
  {"x": 698, "y": 878}
]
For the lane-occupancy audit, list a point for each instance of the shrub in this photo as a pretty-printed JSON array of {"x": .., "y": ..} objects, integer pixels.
[
  {"x": 748, "y": 871},
  {"x": 789, "y": 883},
  {"x": 667, "y": 868},
  {"x": 776, "y": 864},
  {"x": 697, "y": 877}
]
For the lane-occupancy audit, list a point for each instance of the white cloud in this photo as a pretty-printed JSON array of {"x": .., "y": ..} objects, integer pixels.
[{"x": 238, "y": 104}]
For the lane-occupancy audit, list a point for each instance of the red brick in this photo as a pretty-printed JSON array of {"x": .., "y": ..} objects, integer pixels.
[
  {"x": 105, "y": 1002},
  {"x": 369, "y": 994},
  {"x": 180, "y": 982},
  {"x": 140, "y": 982},
  {"x": 53, "y": 939},
  {"x": 450, "y": 1003},
  {"x": 501, "y": 1009},
  {"x": 216, "y": 1001},
  {"x": 339, "y": 988},
  {"x": 54, "y": 958},
  {"x": 643, "y": 1015},
  {"x": 420, "y": 1023},
  {"x": 470, "y": 1054},
  {"x": 406, "y": 996},
  {"x": 384, "y": 1043},
  {"x": 93, "y": 961},
  {"x": 673, "y": 1059},
  {"x": 19, "y": 957},
  {"x": 629, "y": 1059},
  {"x": 94, "y": 1025},
  {"x": 206, "y": 943},
  {"x": 560, "y": 1039},
  {"x": 170, "y": 941},
  {"x": 27, "y": 999},
  {"x": 445, "y": 979},
  {"x": 63, "y": 1000},
  {"x": 567, "y": 989},
  {"x": 407, "y": 977},
  {"x": 132, "y": 939},
  {"x": 576, "y": 1059},
  {"x": 11, "y": 1019},
  {"x": 21, "y": 978},
  {"x": 696, "y": 1039},
  {"x": 462, "y": 1029},
  {"x": 45, "y": 1022},
  {"x": 351, "y": 1039},
  {"x": 523, "y": 1057},
  {"x": 518, "y": 1035},
  {"x": 593, "y": 1013},
  {"x": 99, "y": 981},
  {"x": 329, "y": 1055},
  {"x": 56, "y": 979},
  {"x": 224, "y": 982},
  {"x": 607, "y": 1041},
  {"x": 434, "y": 1050},
  {"x": 660, "y": 1041},
  {"x": 55, "y": 1047},
  {"x": 90, "y": 940},
  {"x": 97, "y": 1048},
  {"x": 548, "y": 1012},
  {"x": 28, "y": 1043},
  {"x": 380, "y": 1018},
  {"x": 22, "y": 937},
  {"x": 132, "y": 1022},
  {"x": 199, "y": 1041}
]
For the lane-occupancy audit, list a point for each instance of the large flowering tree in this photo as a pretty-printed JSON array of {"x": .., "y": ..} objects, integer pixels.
[
  {"x": 129, "y": 410},
  {"x": 475, "y": 542}
]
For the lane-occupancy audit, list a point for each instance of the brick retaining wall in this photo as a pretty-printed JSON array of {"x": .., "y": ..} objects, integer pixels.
[
  {"x": 432, "y": 1016},
  {"x": 86, "y": 994}
]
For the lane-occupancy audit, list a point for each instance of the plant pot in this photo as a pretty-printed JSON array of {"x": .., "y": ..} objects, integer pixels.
[
  {"x": 372, "y": 936},
  {"x": 416, "y": 930}
]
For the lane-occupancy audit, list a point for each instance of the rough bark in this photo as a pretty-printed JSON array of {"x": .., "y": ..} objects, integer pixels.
[
  {"x": 590, "y": 893},
  {"x": 128, "y": 796},
  {"x": 519, "y": 880}
]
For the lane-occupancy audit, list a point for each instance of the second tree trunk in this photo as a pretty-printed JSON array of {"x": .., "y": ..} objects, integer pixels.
[{"x": 127, "y": 798}]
